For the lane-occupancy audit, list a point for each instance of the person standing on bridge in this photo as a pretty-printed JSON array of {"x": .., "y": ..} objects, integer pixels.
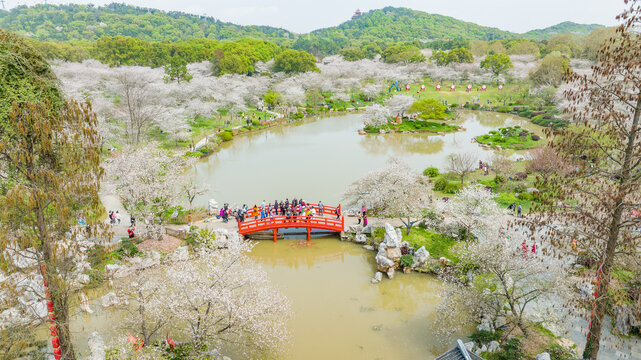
[
  {"x": 294, "y": 203},
  {"x": 262, "y": 213},
  {"x": 320, "y": 208},
  {"x": 286, "y": 203},
  {"x": 255, "y": 211},
  {"x": 263, "y": 204},
  {"x": 338, "y": 214},
  {"x": 276, "y": 206}
]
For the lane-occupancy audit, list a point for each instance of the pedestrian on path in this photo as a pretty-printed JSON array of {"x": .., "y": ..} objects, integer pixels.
[
  {"x": 117, "y": 217},
  {"x": 364, "y": 220},
  {"x": 320, "y": 208},
  {"x": 519, "y": 210}
]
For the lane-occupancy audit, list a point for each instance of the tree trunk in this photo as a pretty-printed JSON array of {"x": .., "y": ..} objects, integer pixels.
[
  {"x": 596, "y": 319},
  {"x": 61, "y": 311}
]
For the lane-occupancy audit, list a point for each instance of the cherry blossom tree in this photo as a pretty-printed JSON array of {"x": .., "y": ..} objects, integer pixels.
[
  {"x": 494, "y": 280},
  {"x": 461, "y": 165},
  {"x": 473, "y": 210},
  {"x": 399, "y": 104},
  {"x": 376, "y": 116},
  {"x": 396, "y": 191},
  {"x": 147, "y": 181},
  {"x": 136, "y": 105}
]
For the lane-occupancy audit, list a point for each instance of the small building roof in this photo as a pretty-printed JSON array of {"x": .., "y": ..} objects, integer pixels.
[{"x": 459, "y": 353}]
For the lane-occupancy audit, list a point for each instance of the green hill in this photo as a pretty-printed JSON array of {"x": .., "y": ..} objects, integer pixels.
[
  {"x": 64, "y": 23},
  {"x": 87, "y": 22},
  {"x": 567, "y": 27}
]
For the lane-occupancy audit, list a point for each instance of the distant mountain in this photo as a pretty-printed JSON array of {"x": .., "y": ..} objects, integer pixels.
[
  {"x": 402, "y": 24},
  {"x": 87, "y": 22},
  {"x": 567, "y": 27}
]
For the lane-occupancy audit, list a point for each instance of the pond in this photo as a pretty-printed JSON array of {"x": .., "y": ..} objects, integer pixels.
[
  {"x": 338, "y": 313},
  {"x": 317, "y": 159}
]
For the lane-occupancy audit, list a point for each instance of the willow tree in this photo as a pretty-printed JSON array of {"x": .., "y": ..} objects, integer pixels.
[
  {"x": 50, "y": 172},
  {"x": 604, "y": 149}
]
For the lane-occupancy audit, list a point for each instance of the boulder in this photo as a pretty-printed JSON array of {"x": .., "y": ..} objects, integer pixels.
[
  {"x": 485, "y": 325},
  {"x": 115, "y": 271},
  {"x": 368, "y": 230},
  {"x": 470, "y": 346},
  {"x": 482, "y": 349},
  {"x": 84, "y": 303},
  {"x": 180, "y": 254},
  {"x": 391, "y": 237},
  {"x": 393, "y": 253},
  {"x": 383, "y": 263},
  {"x": 420, "y": 257},
  {"x": 355, "y": 229},
  {"x": 83, "y": 279},
  {"x": 96, "y": 347},
  {"x": 407, "y": 269},
  {"x": 110, "y": 299},
  {"x": 493, "y": 346},
  {"x": 368, "y": 247},
  {"x": 390, "y": 273},
  {"x": 377, "y": 277},
  {"x": 360, "y": 238},
  {"x": 543, "y": 356}
]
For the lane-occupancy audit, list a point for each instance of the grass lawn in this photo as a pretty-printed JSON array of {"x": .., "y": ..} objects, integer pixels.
[
  {"x": 437, "y": 244},
  {"x": 511, "y": 138}
]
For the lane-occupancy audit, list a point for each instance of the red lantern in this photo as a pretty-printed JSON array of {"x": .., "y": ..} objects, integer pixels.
[
  {"x": 48, "y": 293},
  {"x": 57, "y": 352},
  {"x": 44, "y": 281},
  {"x": 438, "y": 87},
  {"x": 407, "y": 87},
  {"x": 483, "y": 87},
  {"x": 50, "y": 306},
  {"x": 52, "y": 317},
  {"x": 452, "y": 88},
  {"x": 53, "y": 330},
  {"x": 422, "y": 87},
  {"x": 55, "y": 342}
]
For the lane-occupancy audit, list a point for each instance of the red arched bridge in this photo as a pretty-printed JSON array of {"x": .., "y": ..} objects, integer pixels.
[{"x": 329, "y": 219}]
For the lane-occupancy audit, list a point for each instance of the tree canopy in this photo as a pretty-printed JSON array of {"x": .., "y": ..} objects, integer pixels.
[
  {"x": 295, "y": 61},
  {"x": 497, "y": 63}
]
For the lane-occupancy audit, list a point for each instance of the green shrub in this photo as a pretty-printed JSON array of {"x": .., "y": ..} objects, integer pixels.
[
  {"x": 498, "y": 179},
  {"x": 557, "y": 352},
  {"x": 440, "y": 184},
  {"x": 431, "y": 172},
  {"x": 452, "y": 187},
  {"x": 526, "y": 196},
  {"x": 504, "y": 109},
  {"x": 225, "y": 136},
  {"x": 127, "y": 248},
  {"x": 407, "y": 260},
  {"x": 484, "y": 336},
  {"x": 511, "y": 350}
]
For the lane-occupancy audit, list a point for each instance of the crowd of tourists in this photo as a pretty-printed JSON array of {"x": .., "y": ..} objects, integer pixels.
[{"x": 289, "y": 209}]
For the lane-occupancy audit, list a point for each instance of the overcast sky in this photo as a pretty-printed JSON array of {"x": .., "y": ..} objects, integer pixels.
[{"x": 305, "y": 15}]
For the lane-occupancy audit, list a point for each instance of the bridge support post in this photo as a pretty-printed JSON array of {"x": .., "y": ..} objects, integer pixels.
[
  {"x": 275, "y": 234},
  {"x": 309, "y": 234}
]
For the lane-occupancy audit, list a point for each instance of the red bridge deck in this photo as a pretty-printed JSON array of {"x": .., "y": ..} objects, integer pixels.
[{"x": 328, "y": 221}]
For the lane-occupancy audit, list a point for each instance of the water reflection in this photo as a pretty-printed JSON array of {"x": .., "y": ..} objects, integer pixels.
[{"x": 317, "y": 159}]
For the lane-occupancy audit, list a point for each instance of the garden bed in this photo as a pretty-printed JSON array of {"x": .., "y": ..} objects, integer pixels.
[{"x": 515, "y": 138}]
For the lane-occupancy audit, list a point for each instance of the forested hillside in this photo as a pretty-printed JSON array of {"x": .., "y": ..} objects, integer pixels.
[
  {"x": 87, "y": 22},
  {"x": 62, "y": 23},
  {"x": 567, "y": 27}
]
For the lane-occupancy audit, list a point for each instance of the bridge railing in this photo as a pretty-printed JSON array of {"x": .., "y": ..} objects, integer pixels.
[
  {"x": 277, "y": 222},
  {"x": 327, "y": 210}
]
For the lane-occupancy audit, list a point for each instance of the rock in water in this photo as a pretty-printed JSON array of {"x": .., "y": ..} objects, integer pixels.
[
  {"x": 368, "y": 247},
  {"x": 110, "y": 299},
  {"x": 355, "y": 229},
  {"x": 84, "y": 303},
  {"x": 383, "y": 263},
  {"x": 360, "y": 239},
  {"x": 390, "y": 273},
  {"x": 377, "y": 277},
  {"x": 96, "y": 347},
  {"x": 543, "y": 356}
]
